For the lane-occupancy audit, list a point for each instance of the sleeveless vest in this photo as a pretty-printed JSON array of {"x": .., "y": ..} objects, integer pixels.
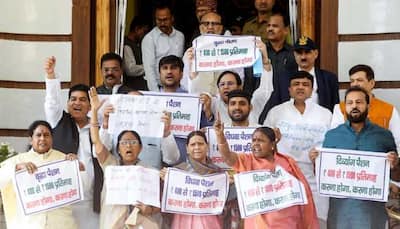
[
  {"x": 66, "y": 140},
  {"x": 136, "y": 49}
]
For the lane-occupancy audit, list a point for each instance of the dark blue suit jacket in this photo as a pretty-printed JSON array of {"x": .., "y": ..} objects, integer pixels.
[{"x": 328, "y": 88}]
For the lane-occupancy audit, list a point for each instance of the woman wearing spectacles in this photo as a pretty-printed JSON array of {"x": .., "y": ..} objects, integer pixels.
[{"x": 129, "y": 146}]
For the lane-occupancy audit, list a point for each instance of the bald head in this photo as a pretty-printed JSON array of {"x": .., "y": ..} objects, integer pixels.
[{"x": 211, "y": 23}]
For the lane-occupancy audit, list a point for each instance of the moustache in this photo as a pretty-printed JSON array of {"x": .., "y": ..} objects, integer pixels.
[{"x": 355, "y": 109}]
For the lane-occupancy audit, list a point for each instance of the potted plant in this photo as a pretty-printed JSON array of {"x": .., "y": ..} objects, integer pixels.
[{"x": 6, "y": 151}]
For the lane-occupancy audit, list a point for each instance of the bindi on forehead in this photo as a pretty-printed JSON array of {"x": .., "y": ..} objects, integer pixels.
[{"x": 42, "y": 130}]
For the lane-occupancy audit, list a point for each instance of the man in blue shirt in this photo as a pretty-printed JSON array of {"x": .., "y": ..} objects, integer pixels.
[
  {"x": 358, "y": 133},
  {"x": 171, "y": 72}
]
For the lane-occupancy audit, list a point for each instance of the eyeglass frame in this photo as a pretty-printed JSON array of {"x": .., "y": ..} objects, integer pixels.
[
  {"x": 212, "y": 23},
  {"x": 129, "y": 142}
]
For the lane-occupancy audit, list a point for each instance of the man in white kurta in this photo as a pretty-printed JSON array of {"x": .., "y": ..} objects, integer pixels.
[
  {"x": 303, "y": 125},
  {"x": 77, "y": 107}
]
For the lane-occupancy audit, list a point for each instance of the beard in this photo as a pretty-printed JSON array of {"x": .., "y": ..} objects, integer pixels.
[
  {"x": 361, "y": 117},
  {"x": 239, "y": 118}
]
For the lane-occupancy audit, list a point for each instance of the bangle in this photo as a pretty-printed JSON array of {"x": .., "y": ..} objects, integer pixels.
[
  {"x": 95, "y": 124},
  {"x": 267, "y": 62}
]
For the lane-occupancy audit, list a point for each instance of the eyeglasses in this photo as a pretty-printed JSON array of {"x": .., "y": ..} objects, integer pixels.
[
  {"x": 128, "y": 142},
  {"x": 114, "y": 69},
  {"x": 227, "y": 83},
  {"x": 212, "y": 23}
]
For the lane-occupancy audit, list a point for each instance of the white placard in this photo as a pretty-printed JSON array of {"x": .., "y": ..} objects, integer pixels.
[
  {"x": 239, "y": 140},
  {"x": 262, "y": 191},
  {"x": 185, "y": 111},
  {"x": 136, "y": 112},
  {"x": 353, "y": 174},
  {"x": 217, "y": 52},
  {"x": 129, "y": 184},
  {"x": 192, "y": 194},
  {"x": 53, "y": 185}
]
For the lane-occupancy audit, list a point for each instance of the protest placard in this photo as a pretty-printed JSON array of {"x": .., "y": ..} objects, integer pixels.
[
  {"x": 239, "y": 140},
  {"x": 185, "y": 111},
  {"x": 52, "y": 186},
  {"x": 299, "y": 137},
  {"x": 353, "y": 174},
  {"x": 262, "y": 191},
  {"x": 192, "y": 194},
  {"x": 126, "y": 185},
  {"x": 217, "y": 52},
  {"x": 139, "y": 113}
]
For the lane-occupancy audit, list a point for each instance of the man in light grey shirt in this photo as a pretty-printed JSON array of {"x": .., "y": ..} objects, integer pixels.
[{"x": 161, "y": 41}]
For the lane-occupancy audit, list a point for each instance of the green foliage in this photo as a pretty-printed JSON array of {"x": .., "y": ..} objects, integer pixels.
[{"x": 6, "y": 151}]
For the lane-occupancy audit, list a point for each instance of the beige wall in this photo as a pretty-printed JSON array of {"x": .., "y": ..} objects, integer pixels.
[
  {"x": 365, "y": 24},
  {"x": 33, "y": 28}
]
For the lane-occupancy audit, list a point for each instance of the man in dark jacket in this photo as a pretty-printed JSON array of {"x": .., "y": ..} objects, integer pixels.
[
  {"x": 111, "y": 69},
  {"x": 132, "y": 61},
  {"x": 326, "y": 86}
]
